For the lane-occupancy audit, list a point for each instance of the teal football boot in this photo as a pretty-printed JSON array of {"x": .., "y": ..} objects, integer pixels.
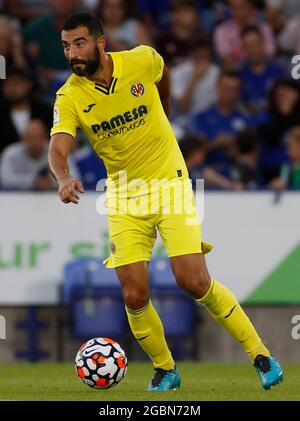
[
  {"x": 165, "y": 380},
  {"x": 269, "y": 371}
]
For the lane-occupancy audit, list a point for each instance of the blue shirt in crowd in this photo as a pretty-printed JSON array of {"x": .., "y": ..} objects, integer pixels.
[
  {"x": 212, "y": 123},
  {"x": 271, "y": 156},
  {"x": 161, "y": 11},
  {"x": 90, "y": 167},
  {"x": 255, "y": 87}
]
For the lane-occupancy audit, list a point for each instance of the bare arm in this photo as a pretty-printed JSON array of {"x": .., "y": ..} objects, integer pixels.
[
  {"x": 213, "y": 177},
  {"x": 163, "y": 87},
  {"x": 59, "y": 149}
]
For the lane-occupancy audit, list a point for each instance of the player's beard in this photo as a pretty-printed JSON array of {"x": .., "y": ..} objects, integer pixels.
[{"x": 91, "y": 65}]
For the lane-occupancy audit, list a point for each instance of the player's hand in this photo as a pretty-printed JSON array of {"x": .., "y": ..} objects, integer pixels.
[{"x": 68, "y": 190}]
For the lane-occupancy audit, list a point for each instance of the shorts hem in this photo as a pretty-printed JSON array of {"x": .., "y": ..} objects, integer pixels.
[
  {"x": 184, "y": 252},
  {"x": 204, "y": 249},
  {"x": 125, "y": 262}
]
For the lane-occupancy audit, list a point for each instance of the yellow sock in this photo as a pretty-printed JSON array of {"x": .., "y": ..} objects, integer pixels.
[
  {"x": 222, "y": 305},
  {"x": 148, "y": 330}
]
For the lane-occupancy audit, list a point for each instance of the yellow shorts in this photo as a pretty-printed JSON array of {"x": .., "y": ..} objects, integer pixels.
[{"x": 132, "y": 236}]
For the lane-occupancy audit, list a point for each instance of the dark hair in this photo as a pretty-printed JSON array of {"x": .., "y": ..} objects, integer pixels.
[
  {"x": 201, "y": 41},
  {"x": 17, "y": 71},
  {"x": 235, "y": 74},
  {"x": 190, "y": 143},
  {"x": 247, "y": 140},
  {"x": 288, "y": 83},
  {"x": 87, "y": 19},
  {"x": 250, "y": 29},
  {"x": 255, "y": 3},
  {"x": 178, "y": 4}
]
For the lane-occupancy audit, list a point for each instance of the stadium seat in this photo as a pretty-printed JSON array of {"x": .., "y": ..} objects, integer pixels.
[
  {"x": 96, "y": 312},
  {"x": 74, "y": 275},
  {"x": 94, "y": 297},
  {"x": 177, "y": 310},
  {"x": 85, "y": 272},
  {"x": 161, "y": 275}
]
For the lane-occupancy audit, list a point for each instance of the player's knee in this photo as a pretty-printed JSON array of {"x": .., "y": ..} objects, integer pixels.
[
  {"x": 195, "y": 284},
  {"x": 136, "y": 299}
]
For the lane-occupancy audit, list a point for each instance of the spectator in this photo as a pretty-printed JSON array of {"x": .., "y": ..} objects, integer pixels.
[
  {"x": 245, "y": 171},
  {"x": 25, "y": 9},
  {"x": 19, "y": 107},
  {"x": 24, "y": 165},
  {"x": 11, "y": 44},
  {"x": 156, "y": 13},
  {"x": 258, "y": 72},
  {"x": 222, "y": 121},
  {"x": 273, "y": 125},
  {"x": 43, "y": 39},
  {"x": 280, "y": 11},
  {"x": 194, "y": 151},
  {"x": 289, "y": 37},
  {"x": 122, "y": 31},
  {"x": 89, "y": 166},
  {"x": 290, "y": 172},
  {"x": 175, "y": 44},
  {"x": 228, "y": 34},
  {"x": 194, "y": 82}
]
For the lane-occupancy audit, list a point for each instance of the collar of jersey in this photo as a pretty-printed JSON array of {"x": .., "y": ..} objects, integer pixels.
[{"x": 108, "y": 90}]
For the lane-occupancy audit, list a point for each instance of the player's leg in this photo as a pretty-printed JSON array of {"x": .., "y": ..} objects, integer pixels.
[
  {"x": 181, "y": 234},
  {"x": 146, "y": 325},
  {"x": 132, "y": 239},
  {"x": 192, "y": 276},
  {"x": 142, "y": 316}
]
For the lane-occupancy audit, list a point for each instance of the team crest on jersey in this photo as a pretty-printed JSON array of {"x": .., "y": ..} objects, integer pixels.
[{"x": 137, "y": 89}]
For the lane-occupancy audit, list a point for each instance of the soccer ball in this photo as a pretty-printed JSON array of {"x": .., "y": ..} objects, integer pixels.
[{"x": 101, "y": 363}]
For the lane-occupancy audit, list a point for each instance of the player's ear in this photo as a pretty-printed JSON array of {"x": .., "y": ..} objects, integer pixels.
[{"x": 101, "y": 42}]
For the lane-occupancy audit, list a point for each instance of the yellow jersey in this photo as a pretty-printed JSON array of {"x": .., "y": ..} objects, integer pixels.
[{"x": 124, "y": 122}]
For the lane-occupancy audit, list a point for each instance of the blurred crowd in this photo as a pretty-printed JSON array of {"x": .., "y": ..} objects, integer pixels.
[{"x": 235, "y": 105}]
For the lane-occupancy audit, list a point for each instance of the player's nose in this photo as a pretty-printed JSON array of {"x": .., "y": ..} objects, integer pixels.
[{"x": 72, "y": 52}]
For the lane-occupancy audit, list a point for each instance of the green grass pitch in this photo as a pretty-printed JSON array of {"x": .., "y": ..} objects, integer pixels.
[{"x": 200, "y": 381}]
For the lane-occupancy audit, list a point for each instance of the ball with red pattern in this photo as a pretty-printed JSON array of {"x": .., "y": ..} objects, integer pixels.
[{"x": 101, "y": 363}]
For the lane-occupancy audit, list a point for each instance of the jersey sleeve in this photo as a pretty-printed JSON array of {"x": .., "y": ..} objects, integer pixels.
[
  {"x": 65, "y": 119},
  {"x": 157, "y": 65},
  {"x": 152, "y": 60}
]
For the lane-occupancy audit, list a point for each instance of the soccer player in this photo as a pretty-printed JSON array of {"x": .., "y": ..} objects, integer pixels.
[{"x": 121, "y": 100}]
